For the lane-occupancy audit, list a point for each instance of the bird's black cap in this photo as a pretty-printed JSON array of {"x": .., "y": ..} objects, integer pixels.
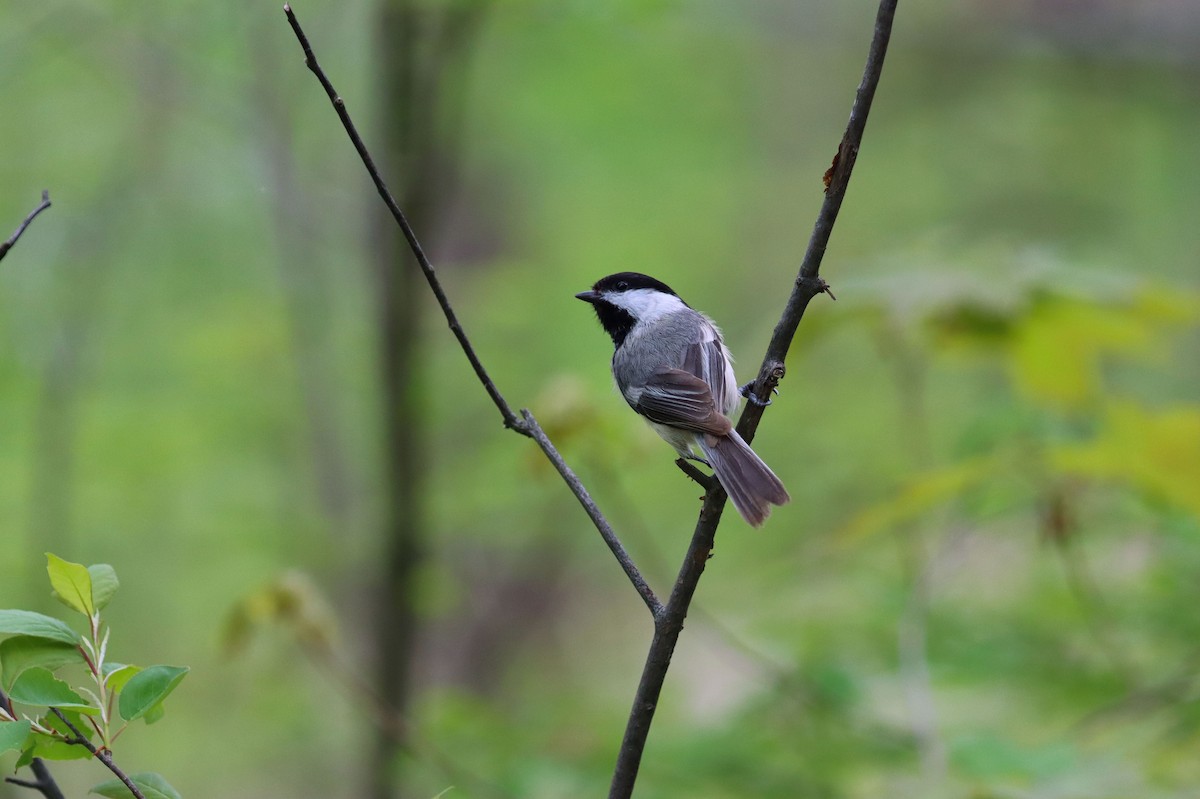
[
  {"x": 623, "y": 281},
  {"x": 617, "y": 322}
]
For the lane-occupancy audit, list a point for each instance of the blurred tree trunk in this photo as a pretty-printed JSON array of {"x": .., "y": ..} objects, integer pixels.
[{"x": 419, "y": 46}]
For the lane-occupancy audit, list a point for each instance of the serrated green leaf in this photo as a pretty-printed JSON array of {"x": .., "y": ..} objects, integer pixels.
[
  {"x": 152, "y": 786},
  {"x": 37, "y": 686},
  {"x": 118, "y": 674},
  {"x": 26, "y": 622},
  {"x": 104, "y": 584},
  {"x": 23, "y": 652},
  {"x": 71, "y": 583},
  {"x": 148, "y": 688},
  {"x": 14, "y": 735}
]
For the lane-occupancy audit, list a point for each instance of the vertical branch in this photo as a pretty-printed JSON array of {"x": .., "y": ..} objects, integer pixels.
[
  {"x": 414, "y": 60},
  {"x": 808, "y": 284},
  {"x": 404, "y": 129}
]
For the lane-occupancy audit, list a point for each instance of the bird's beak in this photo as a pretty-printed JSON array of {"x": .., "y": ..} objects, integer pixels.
[{"x": 588, "y": 296}]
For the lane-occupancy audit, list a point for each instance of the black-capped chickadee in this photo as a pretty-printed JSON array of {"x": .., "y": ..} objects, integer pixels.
[{"x": 672, "y": 367}]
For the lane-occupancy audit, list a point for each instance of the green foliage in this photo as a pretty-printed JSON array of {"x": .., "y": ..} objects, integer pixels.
[
  {"x": 38, "y": 686},
  {"x": 145, "y": 691},
  {"x": 52, "y": 738},
  {"x": 72, "y": 584},
  {"x": 39, "y": 646},
  {"x": 21, "y": 652},
  {"x": 14, "y": 735},
  {"x": 37, "y": 625}
]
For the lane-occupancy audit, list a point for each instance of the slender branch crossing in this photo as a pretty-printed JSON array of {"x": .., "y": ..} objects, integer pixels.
[
  {"x": 669, "y": 618},
  {"x": 526, "y": 425}
]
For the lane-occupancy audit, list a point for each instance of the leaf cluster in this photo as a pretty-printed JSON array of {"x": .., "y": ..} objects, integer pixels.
[{"x": 69, "y": 719}]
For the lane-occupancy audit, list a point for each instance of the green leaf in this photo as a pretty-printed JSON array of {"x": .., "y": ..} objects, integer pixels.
[
  {"x": 14, "y": 735},
  {"x": 148, "y": 688},
  {"x": 23, "y": 652},
  {"x": 118, "y": 674},
  {"x": 104, "y": 584},
  {"x": 152, "y": 786},
  {"x": 72, "y": 584},
  {"x": 51, "y": 748},
  {"x": 37, "y": 686},
  {"x": 26, "y": 622}
]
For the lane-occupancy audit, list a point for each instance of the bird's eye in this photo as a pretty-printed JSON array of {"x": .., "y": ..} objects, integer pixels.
[{"x": 622, "y": 285}]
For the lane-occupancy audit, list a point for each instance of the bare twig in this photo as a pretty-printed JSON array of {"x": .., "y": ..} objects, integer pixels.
[
  {"x": 526, "y": 425},
  {"x": 339, "y": 105},
  {"x": 691, "y": 471},
  {"x": 11, "y": 240},
  {"x": 44, "y": 784},
  {"x": 808, "y": 285},
  {"x": 101, "y": 754}
]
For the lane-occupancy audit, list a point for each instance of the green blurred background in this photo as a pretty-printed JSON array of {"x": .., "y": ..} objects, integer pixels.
[{"x": 987, "y": 582}]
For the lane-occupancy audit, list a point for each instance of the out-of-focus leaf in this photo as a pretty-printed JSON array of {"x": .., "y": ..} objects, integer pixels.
[
  {"x": 152, "y": 786},
  {"x": 924, "y": 493},
  {"x": 72, "y": 584},
  {"x": 104, "y": 584},
  {"x": 1169, "y": 306},
  {"x": 14, "y": 735},
  {"x": 292, "y": 599},
  {"x": 1055, "y": 354},
  {"x": 26, "y": 622},
  {"x": 148, "y": 688},
  {"x": 23, "y": 652},
  {"x": 1157, "y": 452},
  {"x": 38, "y": 686}
]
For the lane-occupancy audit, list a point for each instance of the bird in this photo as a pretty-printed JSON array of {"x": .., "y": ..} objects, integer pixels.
[{"x": 673, "y": 368}]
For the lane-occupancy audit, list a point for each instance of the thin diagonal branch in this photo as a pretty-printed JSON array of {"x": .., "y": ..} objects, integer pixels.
[
  {"x": 11, "y": 240},
  {"x": 593, "y": 512},
  {"x": 526, "y": 425},
  {"x": 103, "y": 755},
  {"x": 339, "y": 105},
  {"x": 808, "y": 284}
]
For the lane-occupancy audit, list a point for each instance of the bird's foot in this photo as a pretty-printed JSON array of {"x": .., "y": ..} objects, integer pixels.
[{"x": 747, "y": 391}]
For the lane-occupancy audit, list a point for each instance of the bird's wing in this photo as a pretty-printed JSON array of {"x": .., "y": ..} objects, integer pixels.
[
  {"x": 707, "y": 361},
  {"x": 681, "y": 399}
]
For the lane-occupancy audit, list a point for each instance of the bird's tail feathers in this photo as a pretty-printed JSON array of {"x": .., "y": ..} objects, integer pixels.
[{"x": 752, "y": 486}]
